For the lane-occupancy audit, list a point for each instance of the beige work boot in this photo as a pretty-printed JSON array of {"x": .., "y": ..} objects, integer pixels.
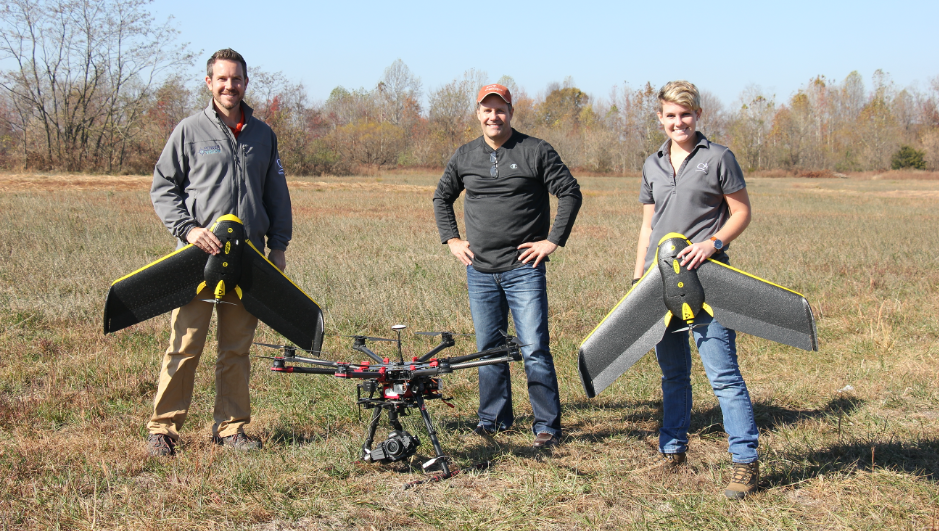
[{"x": 744, "y": 480}]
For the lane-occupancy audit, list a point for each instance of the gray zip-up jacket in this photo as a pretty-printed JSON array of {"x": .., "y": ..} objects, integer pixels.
[{"x": 205, "y": 173}]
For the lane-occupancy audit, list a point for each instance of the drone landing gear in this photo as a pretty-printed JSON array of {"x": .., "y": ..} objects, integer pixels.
[{"x": 401, "y": 444}]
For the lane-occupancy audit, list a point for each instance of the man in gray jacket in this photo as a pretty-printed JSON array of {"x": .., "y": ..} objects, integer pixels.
[{"x": 216, "y": 162}]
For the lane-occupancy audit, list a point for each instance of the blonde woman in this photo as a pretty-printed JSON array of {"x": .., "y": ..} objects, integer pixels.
[{"x": 695, "y": 187}]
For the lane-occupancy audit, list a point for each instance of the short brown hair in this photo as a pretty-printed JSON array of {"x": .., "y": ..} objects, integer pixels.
[
  {"x": 226, "y": 54},
  {"x": 680, "y": 92}
]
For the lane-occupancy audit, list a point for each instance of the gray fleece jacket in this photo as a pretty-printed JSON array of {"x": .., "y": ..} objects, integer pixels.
[{"x": 205, "y": 173}]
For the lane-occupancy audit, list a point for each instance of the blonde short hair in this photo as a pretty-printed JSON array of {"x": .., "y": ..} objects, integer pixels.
[{"x": 680, "y": 92}]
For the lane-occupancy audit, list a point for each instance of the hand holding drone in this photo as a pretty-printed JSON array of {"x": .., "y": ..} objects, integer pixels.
[{"x": 397, "y": 386}]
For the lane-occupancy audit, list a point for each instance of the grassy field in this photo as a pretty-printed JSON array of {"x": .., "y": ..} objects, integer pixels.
[{"x": 849, "y": 435}]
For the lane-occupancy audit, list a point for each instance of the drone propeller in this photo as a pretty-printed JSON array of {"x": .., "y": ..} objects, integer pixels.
[
  {"x": 295, "y": 358},
  {"x": 689, "y": 327},
  {"x": 288, "y": 347},
  {"x": 512, "y": 339},
  {"x": 373, "y": 338},
  {"x": 216, "y": 302},
  {"x": 434, "y": 334}
]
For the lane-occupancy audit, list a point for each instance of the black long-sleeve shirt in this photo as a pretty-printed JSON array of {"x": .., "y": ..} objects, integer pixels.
[{"x": 503, "y": 212}]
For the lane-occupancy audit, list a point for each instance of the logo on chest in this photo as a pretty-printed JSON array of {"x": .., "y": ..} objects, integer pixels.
[
  {"x": 513, "y": 166},
  {"x": 210, "y": 150},
  {"x": 703, "y": 167}
]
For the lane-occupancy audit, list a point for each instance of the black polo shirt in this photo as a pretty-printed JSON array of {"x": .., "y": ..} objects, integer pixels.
[
  {"x": 690, "y": 202},
  {"x": 503, "y": 212}
]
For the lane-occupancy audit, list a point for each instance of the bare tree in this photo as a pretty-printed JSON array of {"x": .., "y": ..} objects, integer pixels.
[
  {"x": 345, "y": 106},
  {"x": 749, "y": 131},
  {"x": 713, "y": 121},
  {"x": 84, "y": 70},
  {"x": 633, "y": 115},
  {"x": 452, "y": 111},
  {"x": 792, "y": 131},
  {"x": 877, "y": 124},
  {"x": 401, "y": 90},
  {"x": 509, "y": 83}
]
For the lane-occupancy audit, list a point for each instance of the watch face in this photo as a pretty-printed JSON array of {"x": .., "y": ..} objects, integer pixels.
[{"x": 717, "y": 244}]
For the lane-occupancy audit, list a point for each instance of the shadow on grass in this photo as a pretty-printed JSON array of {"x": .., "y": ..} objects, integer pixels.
[
  {"x": 920, "y": 458},
  {"x": 464, "y": 446},
  {"x": 770, "y": 416},
  {"x": 286, "y": 436},
  {"x": 704, "y": 423}
]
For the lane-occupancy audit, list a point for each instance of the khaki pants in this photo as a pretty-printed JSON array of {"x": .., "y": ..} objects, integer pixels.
[{"x": 190, "y": 325}]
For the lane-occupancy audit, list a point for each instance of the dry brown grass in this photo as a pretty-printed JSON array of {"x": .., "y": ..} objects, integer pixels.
[{"x": 849, "y": 435}]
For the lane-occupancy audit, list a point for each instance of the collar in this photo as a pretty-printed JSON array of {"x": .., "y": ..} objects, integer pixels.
[
  {"x": 240, "y": 125},
  {"x": 703, "y": 143},
  {"x": 514, "y": 139},
  {"x": 246, "y": 111}
]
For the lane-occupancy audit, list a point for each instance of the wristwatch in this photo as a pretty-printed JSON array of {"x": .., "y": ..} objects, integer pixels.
[{"x": 718, "y": 245}]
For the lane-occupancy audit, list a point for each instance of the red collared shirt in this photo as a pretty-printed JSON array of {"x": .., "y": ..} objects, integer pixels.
[{"x": 241, "y": 123}]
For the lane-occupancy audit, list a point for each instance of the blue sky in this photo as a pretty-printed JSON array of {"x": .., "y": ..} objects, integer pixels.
[{"x": 721, "y": 46}]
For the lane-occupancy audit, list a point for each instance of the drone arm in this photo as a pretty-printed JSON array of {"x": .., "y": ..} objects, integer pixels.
[
  {"x": 362, "y": 375},
  {"x": 365, "y": 350},
  {"x": 313, "y": 361},
  {"x": 301, "y": 370},
  {"x": 490, "y": 361},
  {"x": 446, "y": 343},
  {"x": 477, "y": 355}
]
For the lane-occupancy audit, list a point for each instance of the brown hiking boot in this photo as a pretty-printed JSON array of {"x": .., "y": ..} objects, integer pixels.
[
  {"x": 546, "y": 441},
  {"x": 744, "y": 481},
  {"x": 672, "y": 461},
  {"x": 160, "y": 445},
  {"x": 238, "y": 441}
]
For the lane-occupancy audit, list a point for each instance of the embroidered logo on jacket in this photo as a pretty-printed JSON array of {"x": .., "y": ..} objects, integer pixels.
[
  {"x": 210, "y": 150},
  {"x": 280, "y": 168},
  {"x": 514, "y": 166}
]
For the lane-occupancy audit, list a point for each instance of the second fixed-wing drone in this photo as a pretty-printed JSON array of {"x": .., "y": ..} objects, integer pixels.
[
  {"x": 396, "y": 387},
  {"x": 668, "y": 292}
]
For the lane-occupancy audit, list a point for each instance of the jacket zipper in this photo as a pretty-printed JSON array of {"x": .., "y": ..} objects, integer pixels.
[{"x": 236, "y": 166}]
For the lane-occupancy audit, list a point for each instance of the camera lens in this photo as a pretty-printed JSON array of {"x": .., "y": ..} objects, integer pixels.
[{"x": 392, "y": 447}]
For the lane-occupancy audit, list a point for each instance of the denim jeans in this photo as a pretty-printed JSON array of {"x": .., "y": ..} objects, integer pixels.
[
  {"x": 718, "y": 349},
  {"x": 523, "y": 291}
]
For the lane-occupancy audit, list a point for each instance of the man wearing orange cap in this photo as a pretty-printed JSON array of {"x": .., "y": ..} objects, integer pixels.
[{"x": 508, "y": 177}]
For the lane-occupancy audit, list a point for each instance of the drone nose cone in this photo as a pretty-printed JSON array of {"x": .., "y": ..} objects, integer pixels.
[
  {"x": 683, "y": 293},
  {"x": 223, "y": 270}
]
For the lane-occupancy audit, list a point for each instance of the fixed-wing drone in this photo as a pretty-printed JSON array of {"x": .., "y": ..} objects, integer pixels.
[
  {"x": 396, "y": 387},
  {"x": 175, "y": 279},
  {"x": 667, "y": 291}
]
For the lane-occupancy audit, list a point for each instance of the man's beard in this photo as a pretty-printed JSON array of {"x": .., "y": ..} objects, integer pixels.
[{"x": 235, "y": 98}]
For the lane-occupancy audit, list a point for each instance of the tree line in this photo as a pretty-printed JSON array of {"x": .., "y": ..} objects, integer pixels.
[{"x": 95, "y": 87}]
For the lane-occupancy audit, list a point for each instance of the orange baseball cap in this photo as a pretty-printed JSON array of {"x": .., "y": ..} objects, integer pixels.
[{"x": 497, "y": 89}]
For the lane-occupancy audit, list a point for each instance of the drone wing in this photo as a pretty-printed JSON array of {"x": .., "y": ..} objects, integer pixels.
[
  {"x": 738, "y": 300},
  {"x": 749, "y": 304},
  {"x": 625, "y": 335},
  {"x": 174, "y": 280},
  {"x": 156, "y": 288},
  {"x": 274, "y": 299}
]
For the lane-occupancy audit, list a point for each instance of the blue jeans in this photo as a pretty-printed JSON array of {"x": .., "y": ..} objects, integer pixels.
[
  {"x": 523, "y": 291},
  {"x": 718, "y": 349}
]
